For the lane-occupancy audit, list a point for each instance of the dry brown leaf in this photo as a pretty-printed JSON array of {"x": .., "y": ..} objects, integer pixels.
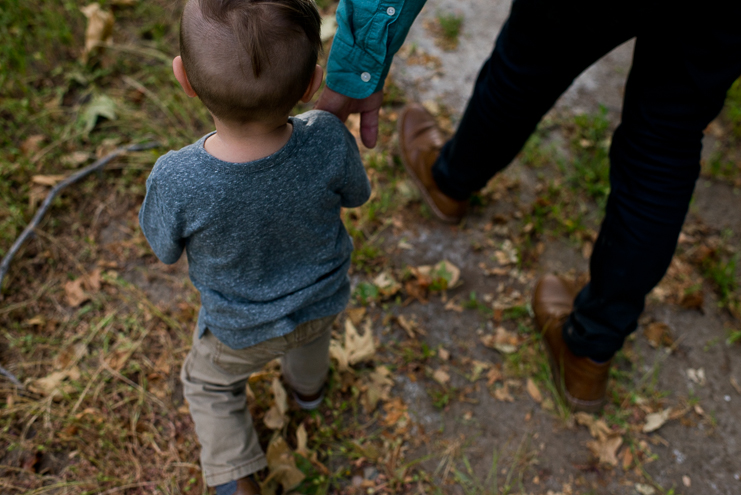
[
  {"x": 443, "y": 354},
  {"x": 356, "y": 315},
  {"x": 301, "y": 441},
  {"x": 655, "y": 421},
  {"x": 686, "y": 481},
  {"x": 627, "y": 456},
  {"x": 644, "y": 489},
  {"x": 502, "y": 394},
  {"x": 410, "y": 326},
  {"x": 658, "y": 334},
  {"x": 534, "y": 391},
  {"x": 478, "y": 368},
  {"x": 494, "y": 375},
  {"x": 597, "y": 427},
  {"x": 73, "y": 292},
  {"x": 53, "y": 384},
  {"x": 379, "y": 388},
  {"x": 395, "y": 410},
  {"x": 282, "y": 465},
  {"x": 32, "y": 144},
  {"x": 75, "y": 159},
  {"x": 99, "y": 28},
  {"x": 358, "y": 347},
  {"x": 441, "y": 376},
  {"x": 387, "y": 284},
  {"x": 40, "y": 321},
  {"x": 337, "y": 352},
  {"x": 503, "y": 341},
  {"x": 605, "y": 449},
  {"x": 275, "y": 418},
  {"x": 48, "y": 180},
  {"x": 92, "y": 280},
  {"x": 693, "y": 300}
]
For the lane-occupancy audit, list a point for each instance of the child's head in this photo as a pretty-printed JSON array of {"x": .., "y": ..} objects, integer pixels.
[{"x": 249, "y": 60}]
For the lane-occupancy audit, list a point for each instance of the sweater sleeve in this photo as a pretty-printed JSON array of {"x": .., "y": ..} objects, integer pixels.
[
  {"x": 369, "y": 33},
  {"x": 158, "y": 221},
  {"x": 357, "y": 189}
]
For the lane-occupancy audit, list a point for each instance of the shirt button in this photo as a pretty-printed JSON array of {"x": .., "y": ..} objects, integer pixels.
[
  {"x": 391, "y": 11},
  {"x": 365, "y": 76}
]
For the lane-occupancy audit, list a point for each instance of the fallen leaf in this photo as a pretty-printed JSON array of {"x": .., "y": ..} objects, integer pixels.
[
  {"x": 301, "y": 441},
  {"x": 75, "y": 159},
  {"x": 655, "y": 421},
  {"x": 503, "y": 340},
  {"x": 534, "y": 391},
  {"x": 410, "y": 326},
  {"x": 378, "y": 388},
  {"x": 441, "y": 376},
  {"x": 99, "y": 28},
  {"x": 48, "y": 180},
  {"x": 686, "y": 481},
  {"x": 645, "y": 489},
  {"x": 627, "y": 459},
  {"x": 657, "y": 333},
  {"x": 275, "y": 418},
  {"x": 502, "y": 394},
  {"x": 100, "y": 106},
  {"x": 395, "y": 410},
  {"x": 74, "y": 293},
  {"x": 693, "y": 300},
  {"x": 356, "y": 315},
  {"x": 282, "y": 465},
  {"x": 494, "y": 375},
  {"x": 605, "y": 449},
  {"x": 36, "y": 321},
  {"x": 452, "y": 305},
  {"x": 597, "y": 427},
  {"x": 92, "y": 280},
  {"x": 697, "y": 376},
  {"x": 387, "y": 284},
  {"x": 478, "y": 369},
  {"x": 32, "y": 144},
  {"x": 359, "y": 347},
  {"x": 444, "y": 355},
  {"x": 52, "y": 384}
]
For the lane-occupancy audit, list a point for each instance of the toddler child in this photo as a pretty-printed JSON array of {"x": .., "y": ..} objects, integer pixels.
[{"x": 256, "y": 206}]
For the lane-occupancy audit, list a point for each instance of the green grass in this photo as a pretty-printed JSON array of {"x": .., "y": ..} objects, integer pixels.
[{"x": 450, "y": 28}]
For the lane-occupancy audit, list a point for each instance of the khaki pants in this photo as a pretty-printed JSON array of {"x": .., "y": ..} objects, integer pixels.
[{"x": 214, "y": 378}]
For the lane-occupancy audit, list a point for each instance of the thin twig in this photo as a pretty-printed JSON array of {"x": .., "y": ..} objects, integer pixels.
[
  {"x": 10, "y": 376},
  {"x": 98, "y": 165}
]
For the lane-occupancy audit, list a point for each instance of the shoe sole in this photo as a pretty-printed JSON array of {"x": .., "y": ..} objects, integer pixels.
[
  {"x": 422, "y": 189},
  {"x": 574, "y": 404}
]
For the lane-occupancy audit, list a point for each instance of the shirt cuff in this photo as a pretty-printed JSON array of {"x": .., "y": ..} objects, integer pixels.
[{"x": 365, "y": 77}]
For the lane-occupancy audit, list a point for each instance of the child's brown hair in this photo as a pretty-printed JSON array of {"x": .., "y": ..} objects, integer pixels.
[{"x": 250, "y": 60}]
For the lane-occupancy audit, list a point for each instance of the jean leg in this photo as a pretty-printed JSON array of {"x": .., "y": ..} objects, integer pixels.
[
  {"x": 541, "y": 49},
  {"x": 677, "y": 85}
]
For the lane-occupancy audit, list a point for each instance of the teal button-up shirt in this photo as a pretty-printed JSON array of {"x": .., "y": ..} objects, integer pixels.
[{"x": 369, "y": 33}]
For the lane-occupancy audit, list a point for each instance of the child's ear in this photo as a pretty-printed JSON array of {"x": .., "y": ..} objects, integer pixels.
[
  {"x": 316, "y": 81},
  {"x": 179, "y": 70}
]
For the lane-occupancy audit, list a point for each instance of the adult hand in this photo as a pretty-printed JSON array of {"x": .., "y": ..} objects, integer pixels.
[{"x": 342, "y": 106}]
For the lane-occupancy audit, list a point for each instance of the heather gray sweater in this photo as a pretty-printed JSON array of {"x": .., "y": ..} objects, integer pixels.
[{"x": 266, "y": 247}]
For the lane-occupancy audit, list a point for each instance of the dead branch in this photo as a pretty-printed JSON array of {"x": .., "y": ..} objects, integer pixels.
[{"x": 98, "y": 165}]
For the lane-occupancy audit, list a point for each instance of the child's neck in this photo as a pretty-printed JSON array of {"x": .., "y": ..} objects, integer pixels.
[{"x": 247, "y": 142}]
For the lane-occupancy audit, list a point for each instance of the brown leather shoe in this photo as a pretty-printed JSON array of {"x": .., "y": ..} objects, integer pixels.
[
  {"x": 581, "y": 381},
  {"x": 420, "y": 141},
  {"x": 247, "y": 486}
]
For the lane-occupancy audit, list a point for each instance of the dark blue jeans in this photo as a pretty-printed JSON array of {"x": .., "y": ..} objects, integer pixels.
[{"x": 685, "y": 60}]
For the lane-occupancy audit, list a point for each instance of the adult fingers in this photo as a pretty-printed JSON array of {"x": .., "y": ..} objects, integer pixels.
[
  {"x": 369, "y": 127},
  {"x": 334, "y": 102}
]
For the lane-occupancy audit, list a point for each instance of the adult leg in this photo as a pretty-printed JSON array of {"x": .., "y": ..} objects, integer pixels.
[
  {"x": 677, "y": 85},
  {"x": 541, "y": 49}
]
